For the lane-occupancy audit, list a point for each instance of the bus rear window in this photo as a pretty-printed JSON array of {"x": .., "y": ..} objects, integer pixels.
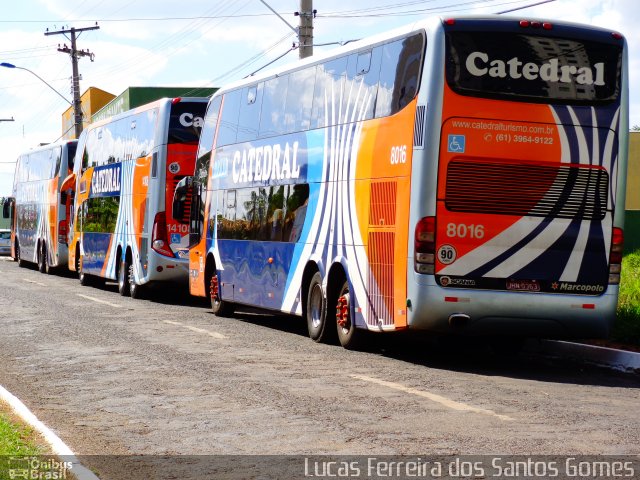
[
  {"x": 186, "y": 122},
  {"x": 532, "y": 68}
]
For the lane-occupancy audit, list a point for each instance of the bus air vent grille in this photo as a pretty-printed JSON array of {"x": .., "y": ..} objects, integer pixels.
[
  {"x": 538, "y": 190},
  {"x": 382, "y": 211},
  {"x": 381, "y": 257},
  {"x": 418, "y": 131}
]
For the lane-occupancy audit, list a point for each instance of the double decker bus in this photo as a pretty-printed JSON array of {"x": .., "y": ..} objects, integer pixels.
[
  {"x": 125, "y": 175},
  {"x": 37, "y": 208},
  {"x": 462, "y": 175}
]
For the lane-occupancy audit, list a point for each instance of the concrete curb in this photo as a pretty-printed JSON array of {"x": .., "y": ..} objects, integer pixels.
[
  {"x": 620, "y": 360},
  {"x": 58, "y": 447}
]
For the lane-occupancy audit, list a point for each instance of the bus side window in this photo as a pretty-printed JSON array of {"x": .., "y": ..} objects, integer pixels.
[
  {"x": 88, "y": 152},
  {"x": 205, "y": 145},
  {"x": 273, "y": 102},
  {"x": 329, "y": 84},
  {"x": 228, "y": 128},
  {"x": 399, "y": 74},
  {"x": 297, "y": 112},
  {"x": 56, "y": 157},
  {"x": 297, "y": 201},
  {"x": 249, "y": 117}
]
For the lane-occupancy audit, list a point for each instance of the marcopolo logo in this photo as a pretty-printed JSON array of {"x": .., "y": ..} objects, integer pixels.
[
  {"x": 576, "y": 287},
  {"x": 479, "y": 65},
  {"x": 447, "y": 281}
]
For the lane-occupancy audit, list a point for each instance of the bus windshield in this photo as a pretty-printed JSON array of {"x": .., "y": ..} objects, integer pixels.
[{"x": 533, "y": 68}]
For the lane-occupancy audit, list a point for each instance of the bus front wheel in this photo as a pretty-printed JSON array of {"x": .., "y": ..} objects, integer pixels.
[
  {"x": 85, "y": 280},
  {"x": 219, "y": 307}
]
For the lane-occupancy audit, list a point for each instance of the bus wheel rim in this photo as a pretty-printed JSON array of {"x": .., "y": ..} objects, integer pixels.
[
  {"x": 342, "y": 312},
  {"x": 316, "y": 306}
]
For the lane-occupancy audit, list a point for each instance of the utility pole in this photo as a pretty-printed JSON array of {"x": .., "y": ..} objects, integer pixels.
[
  {"x": 305, "y": 30},
  {"x": 75, "y": 81}
]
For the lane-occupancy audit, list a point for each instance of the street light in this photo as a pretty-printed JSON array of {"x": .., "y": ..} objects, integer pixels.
[{"x": 11, "y": 65}]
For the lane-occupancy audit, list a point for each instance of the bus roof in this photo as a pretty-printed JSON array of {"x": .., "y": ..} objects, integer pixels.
[{"x": 430, "y": 25}]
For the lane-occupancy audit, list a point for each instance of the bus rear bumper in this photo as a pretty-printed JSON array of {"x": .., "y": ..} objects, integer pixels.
[
  {"x": 482, "y": 312},
  {"x": 166, "y": 269}
]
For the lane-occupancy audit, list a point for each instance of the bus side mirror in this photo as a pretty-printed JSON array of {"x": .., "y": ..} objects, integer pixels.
[{"x": 182, "y": 198}]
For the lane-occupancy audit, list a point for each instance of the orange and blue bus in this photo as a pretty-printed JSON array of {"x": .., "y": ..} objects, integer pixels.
[
  {"x": 39, "y": 222},
  {"x": 126, "y": 171},
  {"x": 462, "y": 175}
]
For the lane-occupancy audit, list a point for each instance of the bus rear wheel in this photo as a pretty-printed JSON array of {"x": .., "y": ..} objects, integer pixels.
[
  {"x": 21, "y": 262},
  {"x": 123, "y": 278},
  {"x": 135, "y": 290},
  {"x": 219, "y": 307},
  {"x": 348, "y": 334},
  {"x": 316, "y": 311},
  {"x": 42, "y": 258}
]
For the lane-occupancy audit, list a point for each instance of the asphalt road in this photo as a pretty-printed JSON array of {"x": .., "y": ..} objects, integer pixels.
[{"x": 164, "y": 376}]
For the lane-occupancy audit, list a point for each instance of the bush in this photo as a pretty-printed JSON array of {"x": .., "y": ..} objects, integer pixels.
[{"x": 627, "y": 326}]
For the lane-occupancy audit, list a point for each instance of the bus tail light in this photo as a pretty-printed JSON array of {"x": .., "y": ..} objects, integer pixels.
[
  {"x": 425, "y": 245},
  {"x": 159, "y": 240},
  {"x": 615, "y": 256},
  {"x": 63, "y": 230}
]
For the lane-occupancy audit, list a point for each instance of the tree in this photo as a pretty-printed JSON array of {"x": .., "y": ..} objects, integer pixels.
[{"x": 635, "y": 128}]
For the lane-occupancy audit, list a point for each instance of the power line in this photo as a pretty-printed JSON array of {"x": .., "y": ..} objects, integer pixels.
[
  {"x": 143, "y": 19},
  {"x": 451, "y": 8},
  {"x": 525, "y": 6},
  {"x": 273, "y": 61}
]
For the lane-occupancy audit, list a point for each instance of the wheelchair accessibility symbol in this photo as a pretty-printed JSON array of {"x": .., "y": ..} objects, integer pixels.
[{"x": 456, "y": 144}]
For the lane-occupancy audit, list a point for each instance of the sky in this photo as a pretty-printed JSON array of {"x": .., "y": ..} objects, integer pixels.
[{"x": 204, "y": 43}]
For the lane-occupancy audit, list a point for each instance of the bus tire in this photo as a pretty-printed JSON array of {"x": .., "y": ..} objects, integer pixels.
[
  {"x": 21, "y": 262},
  {"x": 348, "y": 335},
  {"x": 85, "y": 280},
  {"x": 42, "y": 257},
  {"x": 48, "y": 269},
  {"x": 135, "y": 290},
  {"x": 316, "y": 310},
  {"x": 219, "y": 307},
  {"x": 123, "y": 278}
]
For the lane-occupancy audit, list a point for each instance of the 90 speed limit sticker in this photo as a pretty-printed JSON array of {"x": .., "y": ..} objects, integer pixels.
[{"x": 447, "y": 254}]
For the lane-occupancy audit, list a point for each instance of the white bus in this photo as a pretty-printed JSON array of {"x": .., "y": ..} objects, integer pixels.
[
  {"x": 40, "y": 225},
  {"x": 126, "y": 171},
  {"x": 460, "y": 175}
]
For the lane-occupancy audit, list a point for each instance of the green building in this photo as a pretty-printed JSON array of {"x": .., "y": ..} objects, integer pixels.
[{"x": 133, "y": 97}]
